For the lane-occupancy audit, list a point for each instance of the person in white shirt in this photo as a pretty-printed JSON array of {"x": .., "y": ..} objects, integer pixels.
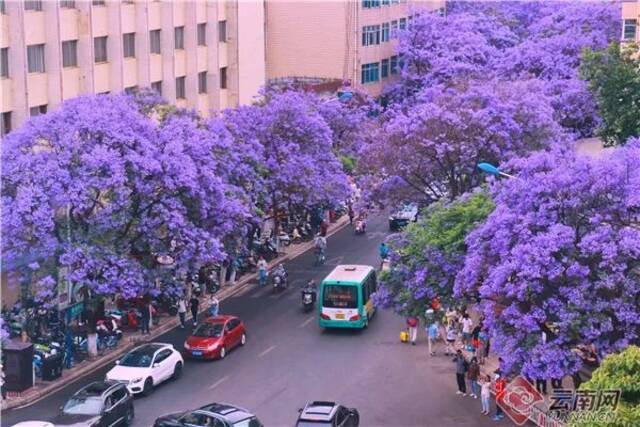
[
  {"x": 485, "y": 394},
  {"x": 467, "y": 327},
  {"x": 182, "y": 311},
  {"x": 262, "y": 271}
]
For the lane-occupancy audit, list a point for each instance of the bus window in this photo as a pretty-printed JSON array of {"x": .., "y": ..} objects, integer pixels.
[
  {"x": 366, "y": 291},
  {"x": 340, "y": 296}
]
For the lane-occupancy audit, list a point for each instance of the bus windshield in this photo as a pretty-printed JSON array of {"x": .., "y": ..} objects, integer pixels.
[{"x": 340, "y": 296}]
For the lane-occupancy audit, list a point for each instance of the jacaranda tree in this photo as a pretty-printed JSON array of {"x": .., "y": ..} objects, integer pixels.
[
  {"x": 559, "y": 255},
  {"x": 95, "y": 191}
]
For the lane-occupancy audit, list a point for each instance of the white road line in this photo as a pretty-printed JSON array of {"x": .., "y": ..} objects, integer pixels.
[
  {"x": 306, "y": 322},
  {"x": 217, "y": 383},
  {"x": 267, "y": 351}
]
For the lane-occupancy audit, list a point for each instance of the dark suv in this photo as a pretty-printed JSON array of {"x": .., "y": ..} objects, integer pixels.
[
  {"x": 328, "y": 414},
  {"x": 100, "y": 404},
  {"x": 212, "y": 415}
]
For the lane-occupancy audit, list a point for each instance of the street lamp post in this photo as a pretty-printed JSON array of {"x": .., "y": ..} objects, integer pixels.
[{"x": 492, "y": 170}]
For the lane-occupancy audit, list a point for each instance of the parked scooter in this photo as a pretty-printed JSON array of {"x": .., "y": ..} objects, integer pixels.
[
  {"x": 279, "y": 278},
  {"x": 361, "y": 225},
  {"x": 309, "y": 296}
]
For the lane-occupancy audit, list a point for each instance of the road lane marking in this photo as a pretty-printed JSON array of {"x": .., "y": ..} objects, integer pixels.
[
  {"x": 217, "y": 383},
  {"x": 267, "y": 351},
  {"x": 306, "y": 322}
]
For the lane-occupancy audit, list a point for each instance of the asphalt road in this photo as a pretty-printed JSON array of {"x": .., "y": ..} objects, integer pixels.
[{"x": 289, "y": 360}]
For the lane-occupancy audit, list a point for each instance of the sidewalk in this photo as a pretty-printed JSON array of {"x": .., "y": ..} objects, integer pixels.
[{"x": 165, "y": 323}]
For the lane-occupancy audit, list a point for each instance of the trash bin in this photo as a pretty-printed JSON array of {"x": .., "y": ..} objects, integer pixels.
[
  {"x": 18, "y": 368},
  {"x": 52, "y": 367}
]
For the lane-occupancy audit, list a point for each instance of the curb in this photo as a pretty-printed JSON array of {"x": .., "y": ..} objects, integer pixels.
[{"x": 170, "y": 324}]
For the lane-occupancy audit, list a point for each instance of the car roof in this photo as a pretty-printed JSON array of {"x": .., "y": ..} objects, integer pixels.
[
  {"x": 97, "y": 388},
  {"x": 150, "y": 348},
  {"x": 219, "y": 319},
  {"x": 319, "y": 411},
  {"x": 231, "y": 413}
]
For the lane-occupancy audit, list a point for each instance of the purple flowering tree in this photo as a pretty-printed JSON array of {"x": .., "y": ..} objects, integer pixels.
[
  {"x": 430, "y": 150},
  {"x": 559, "y": 255},
  {"x": 95, "y": 191}
]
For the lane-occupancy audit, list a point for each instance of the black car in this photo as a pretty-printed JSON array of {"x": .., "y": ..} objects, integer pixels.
[
  {"x": 402, "y": 216},
  {"x": 328, "y": 414},
  {"x": 212, "y": 415},
  {"x": 100, "y": 404}
]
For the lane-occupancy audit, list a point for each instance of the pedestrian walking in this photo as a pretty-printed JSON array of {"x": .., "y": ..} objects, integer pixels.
[
  {"x": 233, "y": 267},
  {"x": 500, "y": 386},
  {"x": 384, "y": 251},
  {"x": 351, "y": 214},
  {"x": 412, "y": 324},
  {"x": 324, "y": 227},
  {"x": 473, "y": 374},
  {"x": 467, "y": 327},
  {"x": 194, "y": 302},
  {"x": 145, "y": 312},
  {"x": 182, "y": 311},
  {"x": 483, "y": 338},
  {"x": 485, "y": 395},
  {"x": 262, "y": 271},
  {"x": 432, "y": 337},
  {"x": 214, "y": 306},
  {"x": 451, "y": 340},
  {"x": 68, "y": 347},
  {"x": 461, "y": 369}
]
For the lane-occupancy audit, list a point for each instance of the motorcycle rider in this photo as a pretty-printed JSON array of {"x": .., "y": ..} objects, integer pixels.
[
  {"x": 321, "y": 246},
  {"x": 309, "y": 288},
  {"x": 282, "y": 273}
]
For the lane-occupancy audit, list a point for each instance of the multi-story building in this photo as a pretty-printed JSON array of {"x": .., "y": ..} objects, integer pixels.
[
  {"x": 630, "y": 19},
  {"x": 352, "y": 41},
  {"x": 200, "y": 54}
]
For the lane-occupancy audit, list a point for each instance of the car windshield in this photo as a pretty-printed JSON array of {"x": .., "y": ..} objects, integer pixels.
[
  {"x": 340, "y": 296},
  {"x": 83, "y": 406},
  {"x": 137, "y": 359},
  {"x": 208, "y": 330}
]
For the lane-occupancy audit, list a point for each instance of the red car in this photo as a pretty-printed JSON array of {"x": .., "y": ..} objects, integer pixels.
[{"x": 215, "y": 337}]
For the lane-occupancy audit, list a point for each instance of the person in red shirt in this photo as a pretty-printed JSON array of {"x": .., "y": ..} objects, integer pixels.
[
  {"x": 501, "y": 385},
  {"x": 412, "y": 324}
]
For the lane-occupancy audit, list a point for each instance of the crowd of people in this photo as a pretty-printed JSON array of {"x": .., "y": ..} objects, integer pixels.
[{"x": 456, "y": 335}]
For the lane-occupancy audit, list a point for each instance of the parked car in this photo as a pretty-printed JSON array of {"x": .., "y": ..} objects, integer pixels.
[
  {"x": 328, "y": 413},
  {"x": 212, "y": 415},
  {"x": 146, "y": 366},
  {"x": 215, "y": 337},
  {"x": 100, "y": 404},
  {"x": 33, "y": 424},
  {"x": 401, "y": 217}
]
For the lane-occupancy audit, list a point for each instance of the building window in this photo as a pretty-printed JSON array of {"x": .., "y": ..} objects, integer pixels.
[
  {"x": 370, "y": 35},
  {"x": 202, "y": 34},
  {"x": 393, "y": 65},
  {"x": 180, "y": 88},
  {"x": 394, "y": 29},
  {"x": 157, "y": 86},
  {"x": 130, "y": 90},
  {"x": 3, "y": 9},
  {"x": 68, "y": 4},
  {"x": 98, "y": 2},
  {"x": 386, "y": 2},
  {"x": 384, "y": 69},
  {"x": 403, "y": 24},
  {"x": 6, "y": 123},
  {"x": 4, "y": 62},
  {"x": 222, "y": 31},
  {"x": 100, "y": 49},
  {"x": 70, "y": 53},
  {"x": 385, "y": 34},
  {"x": 629, "y": 29},
  {"x": 33, "y": 5},
  {"x": 36, "y": 111},
  {"x": 202, "y": 82},
  {"x": 366, "y": 4},
  {"x": 35, "y": 58},
  {"x": 129, "y": 45},
  {"x": 223, "y": 78},
  {"x": 370, "y": 72},
  {"x": 154, "y": 41},
  {"x": 179, "y": 37}
]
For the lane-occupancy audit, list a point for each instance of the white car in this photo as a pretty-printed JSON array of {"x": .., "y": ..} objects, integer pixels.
[
  {"x": 33, "y": 424},
  {"x": 146, "y": 366}
]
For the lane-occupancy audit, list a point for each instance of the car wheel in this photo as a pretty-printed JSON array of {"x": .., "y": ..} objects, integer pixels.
[
  {"x": 223, "y": 352},
  {"x": 243, "y": 340},
  {"x": 177, "y": 371},
  {"x": 129, "y": 417},
  {"x": 148, "y": 387}
]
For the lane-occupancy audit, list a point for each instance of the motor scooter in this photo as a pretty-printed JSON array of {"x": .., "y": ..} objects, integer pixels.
[
  {"x": 279, "y": 279},
  {"x": 361, "y": 226},
  {"x": 308, "y": 298}
]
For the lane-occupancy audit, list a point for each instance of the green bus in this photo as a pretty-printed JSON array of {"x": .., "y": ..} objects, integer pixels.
[{"x": 344, "y": 297}]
